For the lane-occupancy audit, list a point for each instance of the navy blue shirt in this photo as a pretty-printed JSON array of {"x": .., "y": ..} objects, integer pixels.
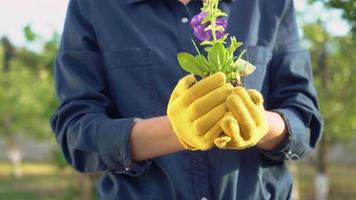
[{"x": 117, "y": 62}]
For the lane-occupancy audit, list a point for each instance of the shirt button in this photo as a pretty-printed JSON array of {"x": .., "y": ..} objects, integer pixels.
[
  {"x": 204, "y": 198},
  {"x": 184, "y": 20}
]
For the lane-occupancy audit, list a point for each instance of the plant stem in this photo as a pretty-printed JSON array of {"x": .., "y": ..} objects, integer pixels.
[
  {"x": 213, "y": 6},
  {"x": 196, "y": 47}
]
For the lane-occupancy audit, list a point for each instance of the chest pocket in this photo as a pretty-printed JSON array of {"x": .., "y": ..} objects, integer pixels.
[
  {"x": 259, "y": 56},
  {"x": 130, "y": 79}
]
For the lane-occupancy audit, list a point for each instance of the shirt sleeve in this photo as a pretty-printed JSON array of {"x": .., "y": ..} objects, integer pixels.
[
  {"x": 292, "y": 93},
  {"x": 90, "y": 137}
]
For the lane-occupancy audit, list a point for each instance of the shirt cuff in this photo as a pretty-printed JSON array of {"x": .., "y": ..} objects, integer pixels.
[
  {"x": 295, "y": 145},
  {"x": 120, "y": 158}
]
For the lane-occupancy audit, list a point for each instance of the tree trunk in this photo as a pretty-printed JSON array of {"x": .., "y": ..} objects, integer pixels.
[
  {"x": 321, "y": 184},
  {"x": 86, "y": 186},
  {"x": 321, "y": 181},
  {"x": 15, "y": 155},
  {"x": 13, "y": 151},
  {"x": 293, "y": 167}
]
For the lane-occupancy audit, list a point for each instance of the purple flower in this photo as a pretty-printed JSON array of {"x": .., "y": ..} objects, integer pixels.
[
  {"x": 219, "y": 34},
  {"x": 199, "y": 28},
  {"x": 197, "y": 19},
  {"x": 221, "y": 22},
  {"x": 201, "y": 34}
]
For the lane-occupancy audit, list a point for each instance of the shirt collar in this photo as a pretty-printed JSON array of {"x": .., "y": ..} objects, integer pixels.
[{"x": 137, "y": 1}]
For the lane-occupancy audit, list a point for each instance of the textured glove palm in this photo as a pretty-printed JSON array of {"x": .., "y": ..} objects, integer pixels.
[
  {"x": 246, "y": 123},
  {"x": 196, "y": 108}
]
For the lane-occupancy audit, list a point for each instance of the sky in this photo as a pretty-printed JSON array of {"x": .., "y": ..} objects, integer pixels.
[{"x": 47, "y": 16}]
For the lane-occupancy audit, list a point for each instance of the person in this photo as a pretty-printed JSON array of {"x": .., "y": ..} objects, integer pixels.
[{"x": 117, "y": 74}]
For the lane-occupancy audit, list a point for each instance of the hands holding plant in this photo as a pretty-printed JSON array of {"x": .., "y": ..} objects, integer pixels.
[
  {"x": 216, "y": 110},
  {"x": 212, "y": 111}
]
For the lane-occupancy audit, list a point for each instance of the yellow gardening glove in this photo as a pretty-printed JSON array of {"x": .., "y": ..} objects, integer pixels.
[
  {"x": 246, "y": 124},
  {"x": 195, "y": 109}
]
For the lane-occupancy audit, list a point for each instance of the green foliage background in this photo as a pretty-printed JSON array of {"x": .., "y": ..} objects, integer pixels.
[
  {"x": 334, "y": 68},
  {"x": 26, "y": 87}
]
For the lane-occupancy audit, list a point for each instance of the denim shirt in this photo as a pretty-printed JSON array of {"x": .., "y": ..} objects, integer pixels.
[{"x": 117, "y": 62}]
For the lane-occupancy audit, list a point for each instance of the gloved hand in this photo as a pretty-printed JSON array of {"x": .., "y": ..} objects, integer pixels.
[
  {"x": 196, "y": 108},
  {"x": 246, "y": 124}
]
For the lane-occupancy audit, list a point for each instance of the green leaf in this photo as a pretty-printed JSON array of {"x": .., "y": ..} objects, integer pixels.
[
  {"x": 234, "y": 44},
  {"x": 217, "y": 56},
  {"x": 221, "y": 14},
  {"x": 223, "y": 38},
  {"x": 207, "y": 49},
  {"x": 206, "y": 42},
  {"x": 241, "y": 54},
  {"x": 229, "y": 61},
  {"x": 188, "y": 63},
  {"x": 203, "y": 62}
]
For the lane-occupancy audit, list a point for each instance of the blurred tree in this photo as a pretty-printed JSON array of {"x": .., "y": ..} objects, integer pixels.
[
  {"x": 26, "y": 93},
  {"x": 8, "y": 53},
  {"x": 333, "y": 61},
  {"x": 28, "y": 99},
  {"x": 348, "y": 8},
  {"x": 29, "y": 34}
]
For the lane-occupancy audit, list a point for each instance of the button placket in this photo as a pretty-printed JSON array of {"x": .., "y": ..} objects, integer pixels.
[
  {"x": 201, "y": 175},
  {"x": 185, "y": 14}
]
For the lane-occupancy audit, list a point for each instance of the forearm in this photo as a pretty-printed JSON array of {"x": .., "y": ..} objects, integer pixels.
[
  {"x": 153, "y": 137},
  {"x": 276, "y": 133}
]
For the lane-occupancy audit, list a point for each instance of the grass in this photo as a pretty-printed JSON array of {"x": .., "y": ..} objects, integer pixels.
[
  {"x": 40, "y": 181},
  {"x": 30, "y": 169},
  {"x": 43, "y": 181},
  {"x": 39, "y": 187},
  {"x": 342, "y": 181}
]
